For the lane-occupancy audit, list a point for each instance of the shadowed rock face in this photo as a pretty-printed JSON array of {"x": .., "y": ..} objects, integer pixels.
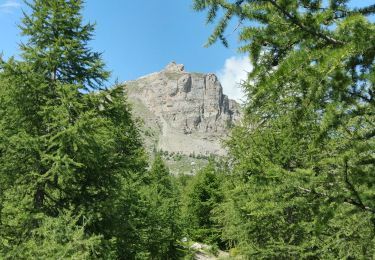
[{"x": 190, "y": 109}]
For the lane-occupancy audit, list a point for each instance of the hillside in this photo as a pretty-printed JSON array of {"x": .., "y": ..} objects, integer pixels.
[{"x": 185, "y": 115}]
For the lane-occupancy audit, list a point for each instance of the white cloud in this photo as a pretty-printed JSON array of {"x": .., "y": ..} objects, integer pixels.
[
  {"x": 9, "y": 6},
  {"x": 234, "y": 72}
]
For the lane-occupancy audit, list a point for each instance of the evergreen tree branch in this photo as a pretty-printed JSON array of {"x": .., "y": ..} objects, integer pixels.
[
  {"x": 353, "y": 190},
  {"x": 302, "y": 26},
  {"x": 346, "y": 200},
  {"x": 368, "y": 10}
]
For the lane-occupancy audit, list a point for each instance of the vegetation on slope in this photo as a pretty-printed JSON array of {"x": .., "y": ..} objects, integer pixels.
[{"x": 299, "y": 181}]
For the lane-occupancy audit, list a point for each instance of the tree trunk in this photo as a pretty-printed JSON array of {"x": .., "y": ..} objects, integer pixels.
[{"x": 39, "y": 197}]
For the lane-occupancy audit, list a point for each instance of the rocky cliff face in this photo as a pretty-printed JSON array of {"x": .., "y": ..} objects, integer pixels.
[{"x": 183, "y": 112}]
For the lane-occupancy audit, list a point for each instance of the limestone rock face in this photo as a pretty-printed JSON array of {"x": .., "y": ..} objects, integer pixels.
[{"x": 187, "y": 112}]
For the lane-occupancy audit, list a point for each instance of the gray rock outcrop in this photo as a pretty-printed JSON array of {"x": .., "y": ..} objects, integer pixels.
[{"x": 185, "y": 112}]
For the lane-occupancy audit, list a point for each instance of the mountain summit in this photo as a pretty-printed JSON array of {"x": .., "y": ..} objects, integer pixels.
[{"x": 183, "y": 112}]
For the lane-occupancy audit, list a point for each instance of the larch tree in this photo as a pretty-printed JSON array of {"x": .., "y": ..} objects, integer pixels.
[
  {"x": 303, "y": 160},
  {"x": 161, "y": 230},
  {"x": 67, "y": 150},
  {"x": 201, "y": 198}
]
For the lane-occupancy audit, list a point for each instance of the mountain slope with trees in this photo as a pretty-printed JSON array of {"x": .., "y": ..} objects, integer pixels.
[{"x": 298, "y": 182}]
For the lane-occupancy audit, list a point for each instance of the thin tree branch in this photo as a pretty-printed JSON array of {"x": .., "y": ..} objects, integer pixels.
[
  {"x": 346, "y": 200},
  {"x": 352, "y": 188},
  {"x": 366, "y": 10},
  {"x": 297, "y": 22}
]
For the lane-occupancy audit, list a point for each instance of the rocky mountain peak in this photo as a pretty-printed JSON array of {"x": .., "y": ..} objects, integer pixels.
[
  {"x": 188, "y": 111},
  {"x": 173, "y": 67}
]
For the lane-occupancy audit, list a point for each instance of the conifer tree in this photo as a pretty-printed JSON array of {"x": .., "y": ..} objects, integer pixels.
[
  {"x": 162, "y": 229},
  {"x": 201, "y": 198},
  {"x": 304, "y": 158},
  {"x": 57, "y": 44},
  {"x": 63, "y": 148}
]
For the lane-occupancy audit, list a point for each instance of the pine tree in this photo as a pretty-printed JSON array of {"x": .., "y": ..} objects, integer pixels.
[
  {"x": 162, "y": 229},
  {"x": 57, "y": 44},
  {"x": 56, "y": 238},
  {"x": 202, "y": 197},
  {"x": 304, "y": 158},
  {"x": 63, "y": 146}
]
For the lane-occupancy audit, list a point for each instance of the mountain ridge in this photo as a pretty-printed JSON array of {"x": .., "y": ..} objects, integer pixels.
[{"x": 183, "y": 112}]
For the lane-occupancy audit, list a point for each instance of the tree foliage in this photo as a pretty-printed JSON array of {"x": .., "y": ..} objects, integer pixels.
[
  {"x": 304, "y": 158},
  {"x": 63, "y": 147},
  {"x": 299, "y": 180},
  {"x": 55, "y": 238},
  {"x": 161, "y": 208},
  {"x": 202, "y": 196}
]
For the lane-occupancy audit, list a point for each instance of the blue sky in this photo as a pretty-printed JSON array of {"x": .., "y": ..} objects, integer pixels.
[
  {"x": 140, "y": 37},
  {"x": 137, "y": 37}
]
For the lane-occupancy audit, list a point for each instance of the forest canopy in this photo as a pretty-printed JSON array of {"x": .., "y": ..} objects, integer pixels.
[
  {"x": 297, "y": 183},
  {"x": 303, "y": 160}
]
